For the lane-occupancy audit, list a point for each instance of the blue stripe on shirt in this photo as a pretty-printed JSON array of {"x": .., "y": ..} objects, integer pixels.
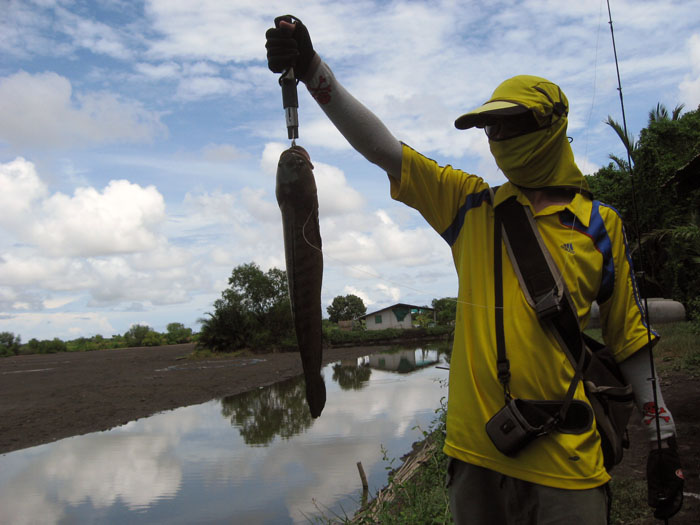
[
  {"x": 601, "y": 240},
  {"x": 473, "y": 200}
]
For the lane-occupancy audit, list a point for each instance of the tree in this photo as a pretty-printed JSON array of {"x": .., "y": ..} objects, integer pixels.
[
  {"x": 153, "y": 338},
  {"x": 227, "y": 329},
  {"x": 346, "y": 308},
  {"x": 177, "y": 333},
  {"x": 135, "y": 335},
  {"x": 445, "y": 310},
  {"x": 253, "y": 311},
  {"x": 9, "y": 344},
  {"x": 47, "y": 346},
  {"x": 667, "y": 226}
]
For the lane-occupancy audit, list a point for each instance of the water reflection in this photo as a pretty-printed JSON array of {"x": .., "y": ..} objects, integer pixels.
[
  {"x": 404, "y": 361},
  {"x": 188, "y": 466},
  {"x": 352, "y": 375},
  {"x": 262, "y": 414}
]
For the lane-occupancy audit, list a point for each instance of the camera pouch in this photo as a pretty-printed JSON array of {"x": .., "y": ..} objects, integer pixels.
[{"x": 510, "y": 431}]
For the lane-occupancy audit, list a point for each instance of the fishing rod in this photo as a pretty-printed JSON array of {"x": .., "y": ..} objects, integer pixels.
[{"x": 642, "y": 273}]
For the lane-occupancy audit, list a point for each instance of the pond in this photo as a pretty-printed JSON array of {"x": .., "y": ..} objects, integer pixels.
[{"x": 257, "y": 457}]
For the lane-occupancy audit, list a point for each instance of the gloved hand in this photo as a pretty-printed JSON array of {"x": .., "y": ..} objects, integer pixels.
[
  {"x": 289, "y": 45},
  {"x": 665, "y": 481}
]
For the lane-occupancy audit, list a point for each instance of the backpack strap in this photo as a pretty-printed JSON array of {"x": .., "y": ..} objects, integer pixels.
[{"x": 543, "y": 285}]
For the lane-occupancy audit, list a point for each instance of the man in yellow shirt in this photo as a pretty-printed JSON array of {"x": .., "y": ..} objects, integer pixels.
[{"x": 559, "y": 478}]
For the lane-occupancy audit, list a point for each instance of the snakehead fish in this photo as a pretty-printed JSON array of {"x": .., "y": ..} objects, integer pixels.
[{"x": 298, "y": 202}]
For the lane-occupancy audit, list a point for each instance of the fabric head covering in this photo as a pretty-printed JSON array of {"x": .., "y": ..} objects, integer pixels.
[{"x": 538, "y": 159}]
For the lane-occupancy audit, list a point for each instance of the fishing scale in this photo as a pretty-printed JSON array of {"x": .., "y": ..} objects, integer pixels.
[{"x": 290, "y": 103}]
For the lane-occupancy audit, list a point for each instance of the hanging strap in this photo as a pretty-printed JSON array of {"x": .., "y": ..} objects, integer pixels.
[
  {"x": 543, "y": 285},
  {"x": 503, "y": 365}
]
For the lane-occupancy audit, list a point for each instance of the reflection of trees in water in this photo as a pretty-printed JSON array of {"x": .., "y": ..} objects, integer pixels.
[
  {"x": 351, "y": 377},
  {"x": 276, "y": 410}
]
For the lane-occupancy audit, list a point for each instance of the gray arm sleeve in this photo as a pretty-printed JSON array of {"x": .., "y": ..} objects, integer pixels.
[
  {"x": 637, "y": 371},
  {"x": 362, "y": 128}
]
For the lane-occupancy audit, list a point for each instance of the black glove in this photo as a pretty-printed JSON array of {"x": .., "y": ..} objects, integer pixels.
[
  {"x": 287, "y": 47},
  {"x": 665, "y": 481}
]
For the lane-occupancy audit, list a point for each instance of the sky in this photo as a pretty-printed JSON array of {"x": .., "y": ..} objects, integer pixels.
[{"x": 139, "y": 139}]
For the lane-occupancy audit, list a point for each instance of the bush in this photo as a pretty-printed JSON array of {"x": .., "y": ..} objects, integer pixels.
[
  {"x": 336, "y": 337},
  {"x": 136, "y": 335},
  {"x": 9, "y": 344},
  {"x": 177, "y": 334}
]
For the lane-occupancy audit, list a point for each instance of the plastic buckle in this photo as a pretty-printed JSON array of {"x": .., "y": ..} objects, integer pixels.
[
  {"x": 547, "y": 306},
  {"x": 503, "y": 371}
]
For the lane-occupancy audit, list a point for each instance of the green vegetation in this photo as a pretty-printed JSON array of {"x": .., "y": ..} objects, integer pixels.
[
  {"x": 9, "y": 344},
  {"x": 137, "y": 335},
  {"x": 445, "y": 310},
  {"x": 668, "y": 206},
  {"x": 346, "y": 308},
  {"x": 253, "y": 312},
  {"x": 336, "y": 337}
]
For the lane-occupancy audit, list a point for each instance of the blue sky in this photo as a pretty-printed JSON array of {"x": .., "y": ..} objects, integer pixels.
[{"x": 139, "y": 140}]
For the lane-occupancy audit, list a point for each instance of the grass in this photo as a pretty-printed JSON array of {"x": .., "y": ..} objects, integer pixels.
[
  {"x": 629, "y": 500},
  {"x": 423, "y": 497},
  {"x": 678, "y": 348}
]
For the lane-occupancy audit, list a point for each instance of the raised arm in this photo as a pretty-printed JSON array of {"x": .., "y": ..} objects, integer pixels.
[{"x": 289, "y": 45}]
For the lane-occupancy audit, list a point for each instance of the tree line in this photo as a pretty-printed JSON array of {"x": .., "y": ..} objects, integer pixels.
[{"x": 137, "y": 335}]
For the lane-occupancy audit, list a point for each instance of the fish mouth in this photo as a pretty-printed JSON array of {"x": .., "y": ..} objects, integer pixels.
[{"x": 299, "y": 151}]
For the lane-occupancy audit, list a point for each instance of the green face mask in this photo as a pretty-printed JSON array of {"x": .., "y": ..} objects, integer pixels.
[{"x": 539, "y": 159}]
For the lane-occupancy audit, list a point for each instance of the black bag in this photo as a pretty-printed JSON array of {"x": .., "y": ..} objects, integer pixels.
[{"x": 610, "y": 397}]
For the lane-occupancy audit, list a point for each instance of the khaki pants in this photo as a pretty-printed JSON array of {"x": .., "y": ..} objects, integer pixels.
[{"x": 483, "y": 496}]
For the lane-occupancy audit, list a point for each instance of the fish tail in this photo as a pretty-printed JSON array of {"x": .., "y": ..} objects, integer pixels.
[{"x": 315, "y": 394}]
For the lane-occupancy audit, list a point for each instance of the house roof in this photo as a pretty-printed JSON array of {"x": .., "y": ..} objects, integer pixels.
[{"x": 397, "y": 305}]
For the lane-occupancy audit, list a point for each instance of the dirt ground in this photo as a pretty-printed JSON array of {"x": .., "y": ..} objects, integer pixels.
[{"x": 44, "y": 398}]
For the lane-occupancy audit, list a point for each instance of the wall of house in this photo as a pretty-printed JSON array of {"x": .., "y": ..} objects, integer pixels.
[{"x": 387, "y": 320}]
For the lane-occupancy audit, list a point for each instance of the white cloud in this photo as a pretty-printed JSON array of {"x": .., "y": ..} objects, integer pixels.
[
  {"x": 95, "y": 36},
  {"x": 64, "y": 325},
  {"x": 213, "y": 30},
  {"x": 690, "y": 86},
  {"x": 223, "y": 153},
  {"x": 194, "y": 88},
  {"x": 159, "y": 71},
  {"x": 21, "y": 188},
  {"x": 41, "y": 110},
  {"x": 122, "y": 218}
]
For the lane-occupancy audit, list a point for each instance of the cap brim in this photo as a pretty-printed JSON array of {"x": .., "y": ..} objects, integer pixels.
[{"x": 483, "y": 115}]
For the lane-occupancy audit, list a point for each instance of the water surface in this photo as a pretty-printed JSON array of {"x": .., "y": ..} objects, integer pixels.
[{"x": 257, "y": 457}]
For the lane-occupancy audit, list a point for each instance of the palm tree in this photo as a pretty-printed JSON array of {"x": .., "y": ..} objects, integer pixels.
[
  {"x": 661, "y": 113},
  {"x": 628, "y": 141}
]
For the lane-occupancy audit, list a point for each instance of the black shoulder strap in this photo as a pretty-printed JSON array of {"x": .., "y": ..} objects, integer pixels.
[{"x": 542, "y": 284}]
